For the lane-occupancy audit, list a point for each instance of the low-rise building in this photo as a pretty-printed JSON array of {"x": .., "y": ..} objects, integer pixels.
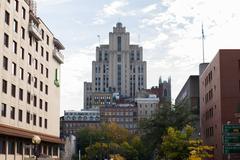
[
  {"x": 72, "y": 121},
  {"x": 125, "y": 115}
]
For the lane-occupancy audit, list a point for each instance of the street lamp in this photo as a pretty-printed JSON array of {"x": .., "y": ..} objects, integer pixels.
[{"x": 36, "y": 140}]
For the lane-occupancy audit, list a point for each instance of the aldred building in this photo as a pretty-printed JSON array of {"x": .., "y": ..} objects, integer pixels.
[{"x": 220, "y": 99}]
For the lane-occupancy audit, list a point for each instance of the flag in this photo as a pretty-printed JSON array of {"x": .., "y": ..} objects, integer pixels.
[{"x": 203, "y": 37}]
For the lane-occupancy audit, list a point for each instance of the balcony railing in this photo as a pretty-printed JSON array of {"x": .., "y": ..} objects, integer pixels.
[
  {"x": 58, "y": 56},
  {"x": 34, "y": 31}
]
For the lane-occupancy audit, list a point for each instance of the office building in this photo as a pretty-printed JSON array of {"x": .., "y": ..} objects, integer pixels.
[
  {"x": 219, "y": 86},
  {"x": 29, "y": 79}
]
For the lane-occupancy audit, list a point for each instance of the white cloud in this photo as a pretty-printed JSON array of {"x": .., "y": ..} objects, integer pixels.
[
  {"x": 52, "y": 2},
  {"x": 149, "y": 8}
]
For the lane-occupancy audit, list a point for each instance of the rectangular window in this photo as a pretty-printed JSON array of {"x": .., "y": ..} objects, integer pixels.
[
  {"x": 42, "y": 33},
  {"x": 19, "y": 147},
  {"x": 36, "y": 64},
  {"x": 23, "y": 32},
  {"x": 21, "y": 73},
  {"x": 47, "y": 56},
  {"x": 40, "y": 103},
  {"x": 41, "y": 86},
  {"x": 35, "y": 82},
  {"x": 29, "y": 78},
  {"x": 34, "y": 119},
  {"x": 6, "y": 40},
  {"x": 28, "y": 97},
  {"x": 2, "y": 146},
  {"x": 22, "y": 53},
  {"x": 20, "y": 115},
  {"x": 16, "y": 5},
  {"x": 46, "y": 89},
  {"x": 4, "y": 86},
  {"x": 15, "y": 47},
  {"x": 7, "y": 17},
  {"x": 46, "y": 106},
  {"x": 41, "y": 68},
  {"x": 30, "y": 40},
  {"x": 15, "y": 25},
  {"x": 13, "y": 90},
  {"x": 119, "y": 43},
  {"x": 11, "y": 147},
  {"x": 21, "y": 94},
  {"x": 4, "y": 110},
  {"x": 29, "y": 59},
  {"x": 47, "y": 40},
  {"x": 14, "y": 69},
  {"x": 28, "y": 117},
  {"x": 42, "y": 51},
  {"x": 35, "y": 101},
  {"x": 5, "y": 63},
  {"x": 45, "y": 123},
  {"x": 36, "y": 45},
  {"x": 23, "y": 13},
  {"x": 46, "y": 72},
  {"x": 12, "y": 112},
  {"x": 40, "y": 121}
]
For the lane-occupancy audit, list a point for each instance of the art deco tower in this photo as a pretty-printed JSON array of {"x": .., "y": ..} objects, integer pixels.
[{"x": 119, "y": 66}]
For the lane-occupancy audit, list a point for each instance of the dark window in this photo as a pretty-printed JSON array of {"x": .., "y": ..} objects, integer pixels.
[
  {"x": 23, "y": 32},
  {"x": 41, "y": 86},
  {"x": 36, "y": 44},
  {"x": 23, "y": 13},
  {"x": 13, "y": 90},
  {"x": 5, "y": 63},
  {"x": 42, "y": 32},
  {"x": 46, "y": 89},
  {"x": 119, "y": 58},
  {"x": 28, "y": 118},
  {"x": 19, "y": 147},
  {"x": 2, "y": 146},
  {"x": 4, "y": 86},
  {"x": 36, "y": 64},
  {"x": 29, "y": 59},
  {"x": 40, "y": 103},
  {"x": 41, "y": 68},
  {"x": 11, "y": 147},
  {"x": 12, "y": 112},
  {"x": 45, "y": 123},
  {"x": 21, "y": 73},
  {"x": 46, "y": 72},
  {"x": 47, "y": 56},
  {"x": 119, "y": 43},
  {"x": 47, "y": 40},
  {"x": 29, "y": 78},
  {"x": 6, "y": 40},
  {"x": 28, "y": 97},
  {"x": 21, "y": 94},
  {"x": 46, "y": 106},
  {"x": 30, "y": 40},
  {"x": 20, "y": 115},
  {"x": 34, "y": 100},
  {"x": 40, "y": 121},
  {"x": 16, "y": 4},
  {"x": 15, "y": 25},
  {"x": 14, "y": 68},
  {"x": 55, "y": 150},
  {"x": 42, "y": 51},
  {"x": 4, "y": 110},
  {"x": 35, "y": 82},
  {"x": 22, "y": 53},
  {"x": 7, "y": 17},
  {"x": 34, "y": 119}
]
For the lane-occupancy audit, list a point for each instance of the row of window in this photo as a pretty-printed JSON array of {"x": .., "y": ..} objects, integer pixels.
[
  {"x": 29, "y": 116},
  {"x": 209, "y": 132},
  {"x": 20, "y": 95},
  {"x": 208, "y": 79},
  {"x": 18, "y": 148},
  {"x": 209, "y": 113},
  {"x": 30, "y": 58},
  {"x": 209, "y": 96}
]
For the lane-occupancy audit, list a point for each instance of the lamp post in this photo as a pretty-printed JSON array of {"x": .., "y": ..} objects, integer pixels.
[{"x": 36, "y": 140}]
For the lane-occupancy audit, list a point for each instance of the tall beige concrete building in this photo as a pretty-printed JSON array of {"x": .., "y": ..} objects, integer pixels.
[
  {"x": 30, "y": 61},
  {"x": 119, "y": 65}
]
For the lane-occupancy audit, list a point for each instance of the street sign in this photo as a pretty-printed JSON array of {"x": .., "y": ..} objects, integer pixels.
[
  {"x": 231, "y": 149},
  {"x": 231, "y": 128},
  {"x": 231, "y": 139}
]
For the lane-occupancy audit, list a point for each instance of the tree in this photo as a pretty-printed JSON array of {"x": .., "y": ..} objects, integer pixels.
[
  {"x": 154, "y": 128},
  {"x": 178, "y": 145}
]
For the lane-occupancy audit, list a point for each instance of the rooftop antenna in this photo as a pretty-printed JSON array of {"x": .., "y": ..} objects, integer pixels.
[
  {"x": 203, "y": 37},
  {"x": 99, "y": 38}
]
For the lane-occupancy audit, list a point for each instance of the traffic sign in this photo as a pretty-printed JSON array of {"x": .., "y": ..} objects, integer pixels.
[
  {"x": 231, "y": 128},
  {"x": 231, "y": 139},
  {"x": 231, "y": 149}
]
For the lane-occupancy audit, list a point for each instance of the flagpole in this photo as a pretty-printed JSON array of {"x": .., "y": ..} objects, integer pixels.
[{"x": 203, "y": 43}]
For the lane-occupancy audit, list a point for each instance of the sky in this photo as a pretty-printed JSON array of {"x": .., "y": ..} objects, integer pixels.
[{"x": 169, "y": 31}]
